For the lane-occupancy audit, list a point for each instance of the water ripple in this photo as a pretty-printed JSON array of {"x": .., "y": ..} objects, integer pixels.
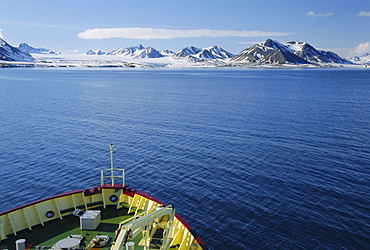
[{"x": 252, "y": 159}]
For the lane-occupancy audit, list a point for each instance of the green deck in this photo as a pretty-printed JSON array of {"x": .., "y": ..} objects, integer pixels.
[{"x": 53, "y": 231}]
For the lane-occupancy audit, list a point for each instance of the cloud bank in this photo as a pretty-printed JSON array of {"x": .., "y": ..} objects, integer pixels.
[
  {"x": 364, "y": 13},
  {"x": 361, "y": 49},
  {"x": 313, "y": 14},
  {"x": 151, "y": 33}
]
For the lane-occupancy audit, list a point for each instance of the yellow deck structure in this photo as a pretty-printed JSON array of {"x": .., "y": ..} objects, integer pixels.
[{"x": 125, "y": 215}]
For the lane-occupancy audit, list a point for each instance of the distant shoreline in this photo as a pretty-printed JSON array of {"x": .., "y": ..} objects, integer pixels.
[{"x": 158, "y": 63}]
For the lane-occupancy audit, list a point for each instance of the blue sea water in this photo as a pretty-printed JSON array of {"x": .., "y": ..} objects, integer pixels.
[{"x": 252, "y": 159}]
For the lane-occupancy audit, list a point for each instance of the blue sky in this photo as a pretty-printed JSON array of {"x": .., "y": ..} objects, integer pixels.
[{"x": 342, "y": 26}]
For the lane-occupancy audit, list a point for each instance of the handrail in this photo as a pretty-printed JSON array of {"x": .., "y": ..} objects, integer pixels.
[
  {"x": 112, "y": 175},
  {"x": 112, "y": 170}
]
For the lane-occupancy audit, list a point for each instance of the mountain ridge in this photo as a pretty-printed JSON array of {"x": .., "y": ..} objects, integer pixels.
[
  {"x": 10, "y": 53},
  {"x": 138, "y": 51},
  {"x": 194, "y": 53},
  {"x": 273, "y": 52},
  {"x": 25, "y": 47},
  {"x": 269, "y": 52},
  {"x": 190, "y": 53},
  {"x": 307, "y": 52}
]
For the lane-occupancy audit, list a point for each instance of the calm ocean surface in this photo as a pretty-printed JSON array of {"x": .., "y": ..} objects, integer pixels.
[{"x": 252, "y": 159}]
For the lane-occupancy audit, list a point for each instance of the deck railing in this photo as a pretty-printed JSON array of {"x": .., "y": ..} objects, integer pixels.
[{"x": 116, "y": 176}]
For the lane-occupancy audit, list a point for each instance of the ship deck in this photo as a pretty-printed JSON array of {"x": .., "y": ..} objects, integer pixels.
[{"x": 46, "y": 236}]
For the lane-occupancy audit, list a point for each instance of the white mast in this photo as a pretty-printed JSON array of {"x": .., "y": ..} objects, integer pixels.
[
  {"x": 111, "y": 163},
  {"x": 104, "y": 173}
]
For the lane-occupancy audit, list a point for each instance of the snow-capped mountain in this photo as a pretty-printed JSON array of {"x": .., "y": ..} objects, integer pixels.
[
  {"x": 269, "y": 52},
  {"x": 95, "y": 52},
  {"x": 364, "y": 59},
  {"x": 138, "y": 51},
  {"x": 29, "y": 49},
  {"x": 273, "y": 52},
  {"x": 167, "y": 52},
  {"x": 266, "y": 53},
  {"x": 310, "y": 54},
  {"x": 10, "y": 53},
  {"x": 187, "y": 52},
  {"x": 214, "y": 52}
]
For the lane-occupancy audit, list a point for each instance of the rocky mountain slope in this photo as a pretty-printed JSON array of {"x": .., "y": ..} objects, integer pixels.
[
  {"x": 10, "y": 53},
  {"x": 138, "y": 51},
  {"x": 29, "y": 49},
  {"x": 269, "y": 52},
  {"x": 273, "y": 52},
  {"x": 194, "y": 53},
  {"x": 187, "y": 53},
  {"x": 312, "y": 55}
]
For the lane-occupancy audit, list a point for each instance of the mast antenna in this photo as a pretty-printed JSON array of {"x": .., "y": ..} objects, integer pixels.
[{"x": 104, "y": 173}]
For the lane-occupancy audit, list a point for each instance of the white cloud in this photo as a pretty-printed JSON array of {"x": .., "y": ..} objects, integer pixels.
[
  {"x": 360, "y": 50},
  {"x": 313, "y": 14},
  {"x": 364, "y": 13},
  {"x": 150, "y": 33},
  {"x": 1, "y": 33}
]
